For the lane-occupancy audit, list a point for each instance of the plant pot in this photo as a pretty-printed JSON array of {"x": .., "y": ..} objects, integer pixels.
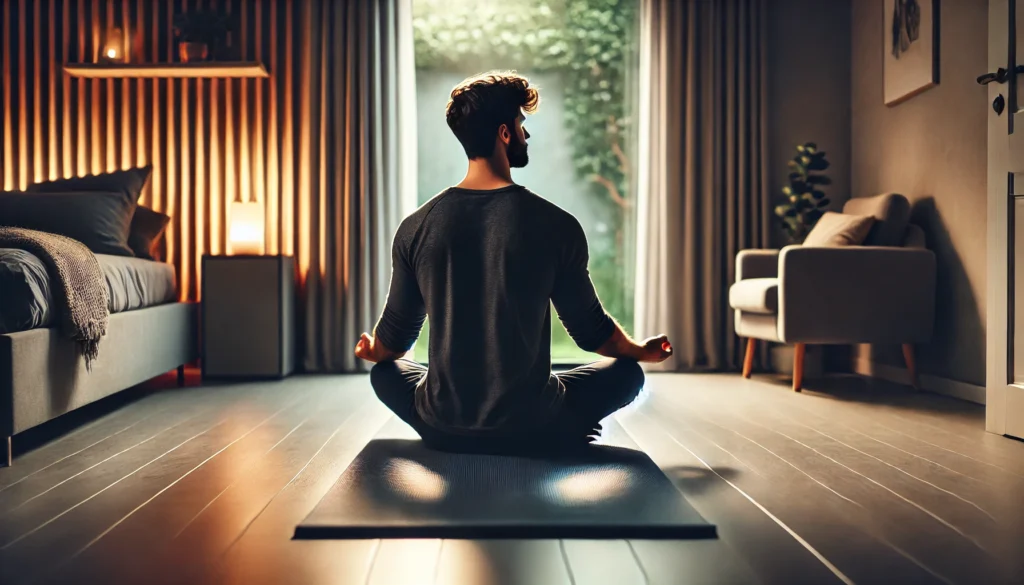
[
  {"x": 192, "y": 52},
  {"x": 781, "y": 356}
]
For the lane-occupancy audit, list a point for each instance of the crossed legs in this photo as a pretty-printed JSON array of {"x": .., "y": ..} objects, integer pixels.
[{"x": 592, "y": 392}]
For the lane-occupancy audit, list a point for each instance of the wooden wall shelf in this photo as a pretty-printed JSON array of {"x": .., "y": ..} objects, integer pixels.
[{"x": 164, "y": 70}]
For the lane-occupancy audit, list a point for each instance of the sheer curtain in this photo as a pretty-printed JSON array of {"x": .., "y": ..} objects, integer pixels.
[
  {"x": 702, "y": 192},
  {"x": 362, "y": 173}
]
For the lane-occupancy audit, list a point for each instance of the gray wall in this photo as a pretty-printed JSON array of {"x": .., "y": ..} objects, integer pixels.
[
  {"x": 809, "y": 88},
  {"x": 932, "y": 148}
]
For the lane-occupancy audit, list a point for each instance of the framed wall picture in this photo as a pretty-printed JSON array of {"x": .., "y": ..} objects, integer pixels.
[{"x": 911, "y": 48}]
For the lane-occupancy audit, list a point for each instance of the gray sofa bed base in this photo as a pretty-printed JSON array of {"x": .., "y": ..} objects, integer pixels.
[{"x": 43, "y": 377}]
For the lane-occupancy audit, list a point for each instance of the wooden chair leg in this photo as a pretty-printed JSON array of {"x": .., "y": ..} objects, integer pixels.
[
  {"x": 798, "y": 366},
  {"x": 181, "y": 376},
  {"x": 908, "y": 356},
  {"x": 8, "y": 456},
  {"x": 748, "y": 360}
]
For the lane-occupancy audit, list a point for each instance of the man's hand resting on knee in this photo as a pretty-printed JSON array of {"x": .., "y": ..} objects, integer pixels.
[
  {"x": 369, "y": 349},
  {"x": 619, "y": 345}
]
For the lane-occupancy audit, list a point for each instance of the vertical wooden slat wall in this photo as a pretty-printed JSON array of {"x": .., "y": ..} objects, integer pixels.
[{"x": 210, "y": 141}]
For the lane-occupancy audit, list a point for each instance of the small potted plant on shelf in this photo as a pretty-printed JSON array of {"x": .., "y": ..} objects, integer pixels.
[
  {"x": 804, "y": 202},
  {"x": 198, "y": 33}
]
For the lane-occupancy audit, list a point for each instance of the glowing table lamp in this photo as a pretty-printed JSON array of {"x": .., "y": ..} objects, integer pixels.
[{"x": 246, "y": 231}]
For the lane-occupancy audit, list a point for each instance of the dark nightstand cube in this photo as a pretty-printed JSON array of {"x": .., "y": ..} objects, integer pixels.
[{"x": 248, "y": 320}]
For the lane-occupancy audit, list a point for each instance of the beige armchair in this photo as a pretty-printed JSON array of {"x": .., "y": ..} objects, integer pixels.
[{"x": 880, "y": 292}]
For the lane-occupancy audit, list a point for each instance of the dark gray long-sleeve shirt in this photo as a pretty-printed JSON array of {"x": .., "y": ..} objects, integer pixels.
[{"x": 485, "y": 267}]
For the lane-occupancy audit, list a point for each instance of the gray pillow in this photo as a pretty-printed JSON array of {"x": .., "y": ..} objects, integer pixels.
[
  {"x": 147, "y": 229},
  {"x": 128, "y": 182},
  {"x": 99, "y": 220}
]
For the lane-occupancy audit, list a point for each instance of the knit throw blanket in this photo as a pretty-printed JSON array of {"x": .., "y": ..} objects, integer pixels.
[{"x": 78, "y": 287}]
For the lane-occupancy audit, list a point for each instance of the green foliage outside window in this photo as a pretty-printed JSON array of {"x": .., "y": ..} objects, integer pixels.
[{"x": 590, "y": 44}]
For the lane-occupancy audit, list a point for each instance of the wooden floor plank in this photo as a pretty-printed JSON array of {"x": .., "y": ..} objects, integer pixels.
[
  {"x": 203, "y": 537},
  {"x": 834, "y": 483},
  {"x": 883, "y": 512},
  {"x": 690, "y": 561},
  {"x": 602, "y": 562},
  {"x": 697, "y": 562},
  {"x": 57, "y": 502},
  {"x": 162, "y": 419},
  {"x": 502, "y": 562},
  {"x": 927, "y": 417},
  {"x": 405, "y": 562},
  {"x": 868, "y": 418},
  {"x": 679, "y": 562},
  {"x": 858, "y": 435},
  {"x": 88, "y": 434},
  {"x": 767, "y": 546},
  {"x": 979, "y": 507},
  {"x": 263, "y": 551},
  {"x": 906, "y": 475},
  {"x": 971, "y": 517},
  {"x": 872, "y": 421},
  {"x": 154, "y": 526},
  {"x": 309, "y": 562},
  {"x": 830, "y": 518},
  {"x": 48, "y": 547}
]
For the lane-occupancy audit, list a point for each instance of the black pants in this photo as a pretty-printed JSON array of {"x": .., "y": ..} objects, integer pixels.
[{"x": 592, "y": 392}]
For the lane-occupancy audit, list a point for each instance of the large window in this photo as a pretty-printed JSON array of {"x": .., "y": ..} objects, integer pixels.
[{"x": 581, "y": 53}]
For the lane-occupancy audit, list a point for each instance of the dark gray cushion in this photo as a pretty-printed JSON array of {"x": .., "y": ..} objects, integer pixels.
[
  {"x": 146, "y": 230},
  {"x": 128, "y": 182},
  {"x": 98, "y": 220}
]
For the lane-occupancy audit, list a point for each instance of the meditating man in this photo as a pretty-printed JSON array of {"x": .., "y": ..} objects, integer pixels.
[{"x": 484, "y": 260}]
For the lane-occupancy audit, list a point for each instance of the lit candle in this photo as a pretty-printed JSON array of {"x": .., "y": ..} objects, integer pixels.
[{"x": 114, "y": 49}]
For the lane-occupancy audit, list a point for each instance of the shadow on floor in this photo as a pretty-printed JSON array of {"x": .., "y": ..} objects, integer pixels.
[
  {"x": 697, "y": 479},
  {"x": 875, "y": 391}
]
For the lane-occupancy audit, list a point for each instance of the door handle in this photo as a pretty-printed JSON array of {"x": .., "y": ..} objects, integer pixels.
[{"x": 999, "y": 75}]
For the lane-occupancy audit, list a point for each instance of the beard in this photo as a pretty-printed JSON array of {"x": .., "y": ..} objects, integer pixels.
[{"x": 516, "y": 152}]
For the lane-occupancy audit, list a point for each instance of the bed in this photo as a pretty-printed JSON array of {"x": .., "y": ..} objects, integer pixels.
[
  {"x": 42, "y": 372},
  {"x": 132, "y": 283}
]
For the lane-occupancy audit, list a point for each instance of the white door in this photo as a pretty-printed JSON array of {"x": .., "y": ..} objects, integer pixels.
[{"x": 1005, "y": 348}]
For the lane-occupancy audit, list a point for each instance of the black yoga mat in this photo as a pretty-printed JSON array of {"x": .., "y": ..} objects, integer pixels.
[{"x": 401, "y": 489}]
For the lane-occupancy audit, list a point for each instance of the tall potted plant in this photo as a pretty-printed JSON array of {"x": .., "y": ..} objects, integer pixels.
[{"x": 803, "y": 203}]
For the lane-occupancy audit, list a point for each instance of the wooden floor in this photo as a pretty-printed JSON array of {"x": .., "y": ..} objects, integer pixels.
[{"x": 849, "y": 482}]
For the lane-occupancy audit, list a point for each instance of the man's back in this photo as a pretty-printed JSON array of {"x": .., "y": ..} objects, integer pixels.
[
  {"x": 487, "y": 265},
  {"x": 485, "y": 261}
]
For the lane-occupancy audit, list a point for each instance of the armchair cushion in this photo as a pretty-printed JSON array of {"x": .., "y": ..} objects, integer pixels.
[
  {"x": 856, "y": 294},
  {"x": 891, "y": 212},
  {"x": 755, "y": 295},
  {"x": 839, "y": 229}
]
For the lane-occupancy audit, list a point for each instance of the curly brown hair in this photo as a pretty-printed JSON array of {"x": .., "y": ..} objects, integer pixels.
[{"x": 479, "y": 105}]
